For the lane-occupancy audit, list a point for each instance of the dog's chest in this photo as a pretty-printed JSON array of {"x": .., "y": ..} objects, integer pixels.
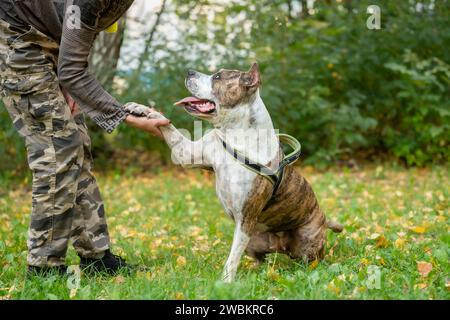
[{"x": 234, "y": 185}]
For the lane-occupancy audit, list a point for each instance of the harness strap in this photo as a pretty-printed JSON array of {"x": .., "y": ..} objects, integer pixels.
[
  {"x": 275, "y": 177},
  {"x": 257, "y": 168}
]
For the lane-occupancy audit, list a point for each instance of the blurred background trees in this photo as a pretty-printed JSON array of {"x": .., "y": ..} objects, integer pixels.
[{"x": 346, "y": 92}]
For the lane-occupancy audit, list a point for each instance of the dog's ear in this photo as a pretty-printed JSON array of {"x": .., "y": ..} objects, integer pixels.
[{"x": 251, "y": 78}]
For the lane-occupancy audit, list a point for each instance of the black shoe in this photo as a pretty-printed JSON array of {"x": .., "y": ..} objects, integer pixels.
[
  {"x": 33, "y": 271},
  {"x": 110, "y": 264}
]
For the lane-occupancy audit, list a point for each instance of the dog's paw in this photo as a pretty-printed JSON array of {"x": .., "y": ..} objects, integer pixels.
[
  {"x": 153, "y": 114},
  {"x": 138, "y": 110}
]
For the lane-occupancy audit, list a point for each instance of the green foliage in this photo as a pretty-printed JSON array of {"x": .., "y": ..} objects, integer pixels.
[
  {"x": 327, "y": 79},
  {"x": 423, "y": 129},
  {"x": 343, "y": 90},
  {"x": 12, "y": 149}
]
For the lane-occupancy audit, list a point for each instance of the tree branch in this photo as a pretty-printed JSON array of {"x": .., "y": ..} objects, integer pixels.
[{"x": 149, "y": 40}]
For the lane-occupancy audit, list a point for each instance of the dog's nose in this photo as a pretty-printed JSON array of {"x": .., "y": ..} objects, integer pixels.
[{"x": 191, "y": 73}]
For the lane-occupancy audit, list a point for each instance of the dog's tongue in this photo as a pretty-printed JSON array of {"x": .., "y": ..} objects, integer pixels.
[
  {"x": 201, "y": 105},
  {"x": 188, "y": 100}
]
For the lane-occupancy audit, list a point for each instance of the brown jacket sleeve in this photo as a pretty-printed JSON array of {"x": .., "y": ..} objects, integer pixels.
[{"x": 76, "y": 42}]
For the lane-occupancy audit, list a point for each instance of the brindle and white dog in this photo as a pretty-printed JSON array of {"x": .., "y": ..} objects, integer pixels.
[{"x": 292, "y": 222}]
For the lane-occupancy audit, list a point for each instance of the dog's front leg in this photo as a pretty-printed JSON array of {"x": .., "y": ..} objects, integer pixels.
[
  {"x": 185, "y": 152},
  {"x": 240, "y": 242}
]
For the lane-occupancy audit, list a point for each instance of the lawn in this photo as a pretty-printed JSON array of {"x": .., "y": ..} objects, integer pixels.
[{"x": 395, "y": 244}]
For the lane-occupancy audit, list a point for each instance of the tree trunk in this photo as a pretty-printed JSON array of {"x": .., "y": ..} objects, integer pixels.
[{"x": 149, "y": 40}]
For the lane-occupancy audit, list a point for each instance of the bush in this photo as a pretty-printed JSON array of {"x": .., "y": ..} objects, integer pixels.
[{"x": 343, "y": 90}]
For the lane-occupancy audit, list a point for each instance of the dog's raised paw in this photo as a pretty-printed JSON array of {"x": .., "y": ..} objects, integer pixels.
[
  {"x": 153, "y": 114},
  {"x": 138, "y": 110}
]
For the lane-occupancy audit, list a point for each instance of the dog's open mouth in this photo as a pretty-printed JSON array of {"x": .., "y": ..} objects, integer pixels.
[{"x": 196, "y": 105}]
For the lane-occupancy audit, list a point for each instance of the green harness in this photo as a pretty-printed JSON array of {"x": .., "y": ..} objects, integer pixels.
[{"x": 275, "y": 177}]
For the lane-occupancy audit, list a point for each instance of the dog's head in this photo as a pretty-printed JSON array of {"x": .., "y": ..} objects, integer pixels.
[{"x": 224, "y": 90}]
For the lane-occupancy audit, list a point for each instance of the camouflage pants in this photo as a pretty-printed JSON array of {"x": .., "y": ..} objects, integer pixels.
[{"x": 66, "y": 202}]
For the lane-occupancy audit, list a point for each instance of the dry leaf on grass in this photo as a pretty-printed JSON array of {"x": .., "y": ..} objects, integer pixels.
[
  {"x": 364, "y": 261},
  {"x": 419, "y": 230},
  {"x": 381, "y": 242},
  {"x": 313, "y": 264},
  {"x": 181, "y": 261},
  {"x": 420, "y": 286},
  {"x": 179, "y": 296},
  {"x": 399, "y": 243},
  {"x": 424, "y": 268},
  {"x": 119, "y": 279}
]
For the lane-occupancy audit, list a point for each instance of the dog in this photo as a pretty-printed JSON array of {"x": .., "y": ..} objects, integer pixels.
[{"x": 288, "y": 221}]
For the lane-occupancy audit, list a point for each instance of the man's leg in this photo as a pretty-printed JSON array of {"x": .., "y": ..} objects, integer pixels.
[
  {"x": 66, "y": 200},
  {"x": 89, "y": 231},
  {"x": 56, "y": 161},
  {"x": 30, "y": 91}
]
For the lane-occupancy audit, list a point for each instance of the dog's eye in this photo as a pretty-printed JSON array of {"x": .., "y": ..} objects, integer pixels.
[{"x": 216, "y": 76}]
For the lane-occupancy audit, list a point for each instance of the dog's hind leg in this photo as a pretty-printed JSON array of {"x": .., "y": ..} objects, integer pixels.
[
  {"x": 335, "y": 226},
  {"x": 308, "y": 240},
  {"x": 240, "y": 242},
  {"x": 257, "y": 255}
]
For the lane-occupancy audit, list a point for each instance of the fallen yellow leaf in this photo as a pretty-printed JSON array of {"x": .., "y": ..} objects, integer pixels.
[
  {"x": 424, "y": 268},
  {"x": 181, "y": 261},
  {"x": 332, "y": 287},
  {"x": 179, "y": 296},
  {"x": 421, "y": 285},
  {"x": 119, "y": 279},
  {"x": 313, "y": 264},
  {"x": 381, "y": 242},
  {"x": 418, "y": 229},
  {"x": 364, "y": 261},
  {"x": 399, "y": 243},
  {"x": 381, "y": 260}
]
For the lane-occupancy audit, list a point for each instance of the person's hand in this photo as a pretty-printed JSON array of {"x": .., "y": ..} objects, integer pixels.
[
  {"x": 145, "y": 118},
  {"x": 72, "y": 104},
  {"x": 149, "y": 125}
]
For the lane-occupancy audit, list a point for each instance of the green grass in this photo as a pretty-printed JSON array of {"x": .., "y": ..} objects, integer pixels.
[{"x": 172, "y": 223}]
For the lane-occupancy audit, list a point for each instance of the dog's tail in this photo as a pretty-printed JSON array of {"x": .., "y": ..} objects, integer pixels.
[{"x": 335, "y": 226}]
